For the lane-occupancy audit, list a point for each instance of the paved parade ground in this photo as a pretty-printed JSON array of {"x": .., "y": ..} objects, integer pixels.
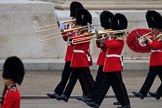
[
  {"x": 73, "y": 103},
  {"x": 37, "y": 83}
]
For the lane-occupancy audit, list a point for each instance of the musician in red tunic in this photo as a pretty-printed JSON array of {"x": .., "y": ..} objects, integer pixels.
[
  {"x": 113, "y": 65},
  {"x": 74, "y": 6},
  {"x": 105, "y": 19},
  {"x": 100, "y": 63},
  {"x": 81, "y": 58},
  {"x": 13, "y": 73},
  {"x": 154, "y": 22}
]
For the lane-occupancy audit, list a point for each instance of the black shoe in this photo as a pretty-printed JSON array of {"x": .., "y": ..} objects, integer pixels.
[
  {"x": 82, "y": 98},
  {"x": 64, "y": 98},
  {"x": 116, "y": 103},
  {"x": 155, "y": 95},
  {"x": 124, "y": 106},
  {"x": 92, "y": 104},
  {"x": 138, "y": 94},
  {"x": 88, "y": 99},
  {"x": 53, "y": 95}
]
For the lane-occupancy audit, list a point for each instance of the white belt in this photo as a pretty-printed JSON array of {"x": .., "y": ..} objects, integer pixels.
[
  {"x": 156, "y": 51},
  {"x": 113, "y": 55},
  {"x": 78, "y": 51}
]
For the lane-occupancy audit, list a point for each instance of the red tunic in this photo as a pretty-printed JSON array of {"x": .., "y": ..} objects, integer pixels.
[
  {"x": 81, "y": 56},
  {"x": 69, "y": 52},
  {"x": 69, "y": 49},
  {"x": 113, "y": 60},
  {"x": 101, "y": 57},
  {"x": 11, "y": 98},
  {"x": 156, "y": 53}
]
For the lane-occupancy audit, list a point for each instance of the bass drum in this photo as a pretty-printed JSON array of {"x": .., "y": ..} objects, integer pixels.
[{"x": 132, "y": 40}]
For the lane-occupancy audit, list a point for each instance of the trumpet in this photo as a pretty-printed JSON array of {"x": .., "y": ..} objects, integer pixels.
[
  {"x": 141, "y": 39},
  {"x": 143, "y": 36}
]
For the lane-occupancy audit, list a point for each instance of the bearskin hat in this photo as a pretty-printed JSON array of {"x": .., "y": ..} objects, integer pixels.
[
  {"x": 13, "y": 69},
  {"x": 119, "y": 22},
  {"x": 74, "y": 7},
  {"x": 153, "y": 18},
  {"x": 160, "y": 24},
  {"x": 83, "y": 17},
  {"x": 105, "y": 19}
]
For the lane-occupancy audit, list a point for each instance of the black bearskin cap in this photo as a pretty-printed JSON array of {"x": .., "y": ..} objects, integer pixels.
[
  {"x": 105, "y": 19},
  {"x": 74, "y": 7},
  {"x": 160, "y": 24},
  {"x": 119, "y": 22},
  {"x": 13, "y": 69},
  {"x": 83, "y": 17},
  {"x": 153, "y": 18}
]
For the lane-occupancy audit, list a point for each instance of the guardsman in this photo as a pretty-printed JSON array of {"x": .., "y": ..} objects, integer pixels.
[
  {"x": 74, "y": 7},
  {"x": 113, "y": 65},
  {"x": 154, "y": 22},
  {"x": 81, "y": 58},
  {"x": 13, "y": 73},
  {"x": 105, "y": 19}
]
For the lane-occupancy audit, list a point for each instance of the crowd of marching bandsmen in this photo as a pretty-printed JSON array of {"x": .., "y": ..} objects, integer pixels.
[{"x": 78, "y": 35}]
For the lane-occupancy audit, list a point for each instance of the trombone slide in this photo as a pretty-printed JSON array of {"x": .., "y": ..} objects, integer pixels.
[
  {"x": 45, "y": 38},
  {"x": 38, "y": 31},
  {"x": 77, "y": 28},
  {"x": 47, "y": 26},
  {"x": 66, "y": 21}
]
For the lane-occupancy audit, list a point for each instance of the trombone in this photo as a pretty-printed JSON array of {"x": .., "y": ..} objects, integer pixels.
[
  {"x": 159, "y": 36},
  {"x": 52, "y": 36},
  {"x": 59, "y": 24},
  {"x": 94, "y": 35}
]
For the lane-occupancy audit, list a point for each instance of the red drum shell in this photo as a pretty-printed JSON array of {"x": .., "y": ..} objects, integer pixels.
[{"x": 132, "y": 40}]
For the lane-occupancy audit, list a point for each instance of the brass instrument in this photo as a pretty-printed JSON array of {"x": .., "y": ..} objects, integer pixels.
[
  {"x": 159, "y": 36},
  {"x": 46, "y": 28},
  {"x": 79, "y": 28},
  {"x": 52, "y": 36},
  {"x": 59, "y": 24},
  {"x": 67, "y": 24},
  {"x": 94, "y": 35},
  {"x": 68, "y": 21},
  {"x": 145, "y": 35}
]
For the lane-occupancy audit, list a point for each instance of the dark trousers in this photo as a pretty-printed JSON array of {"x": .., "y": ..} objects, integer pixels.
[
  {"x": 153, "y": 72},
  {"x": 98, "y": 83},
  {"x": 113, "y": 79},
  {"x": 79, "y": 73},
  {"x": 86, "y": 81},
  {"x": 64, "y": 78}
]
